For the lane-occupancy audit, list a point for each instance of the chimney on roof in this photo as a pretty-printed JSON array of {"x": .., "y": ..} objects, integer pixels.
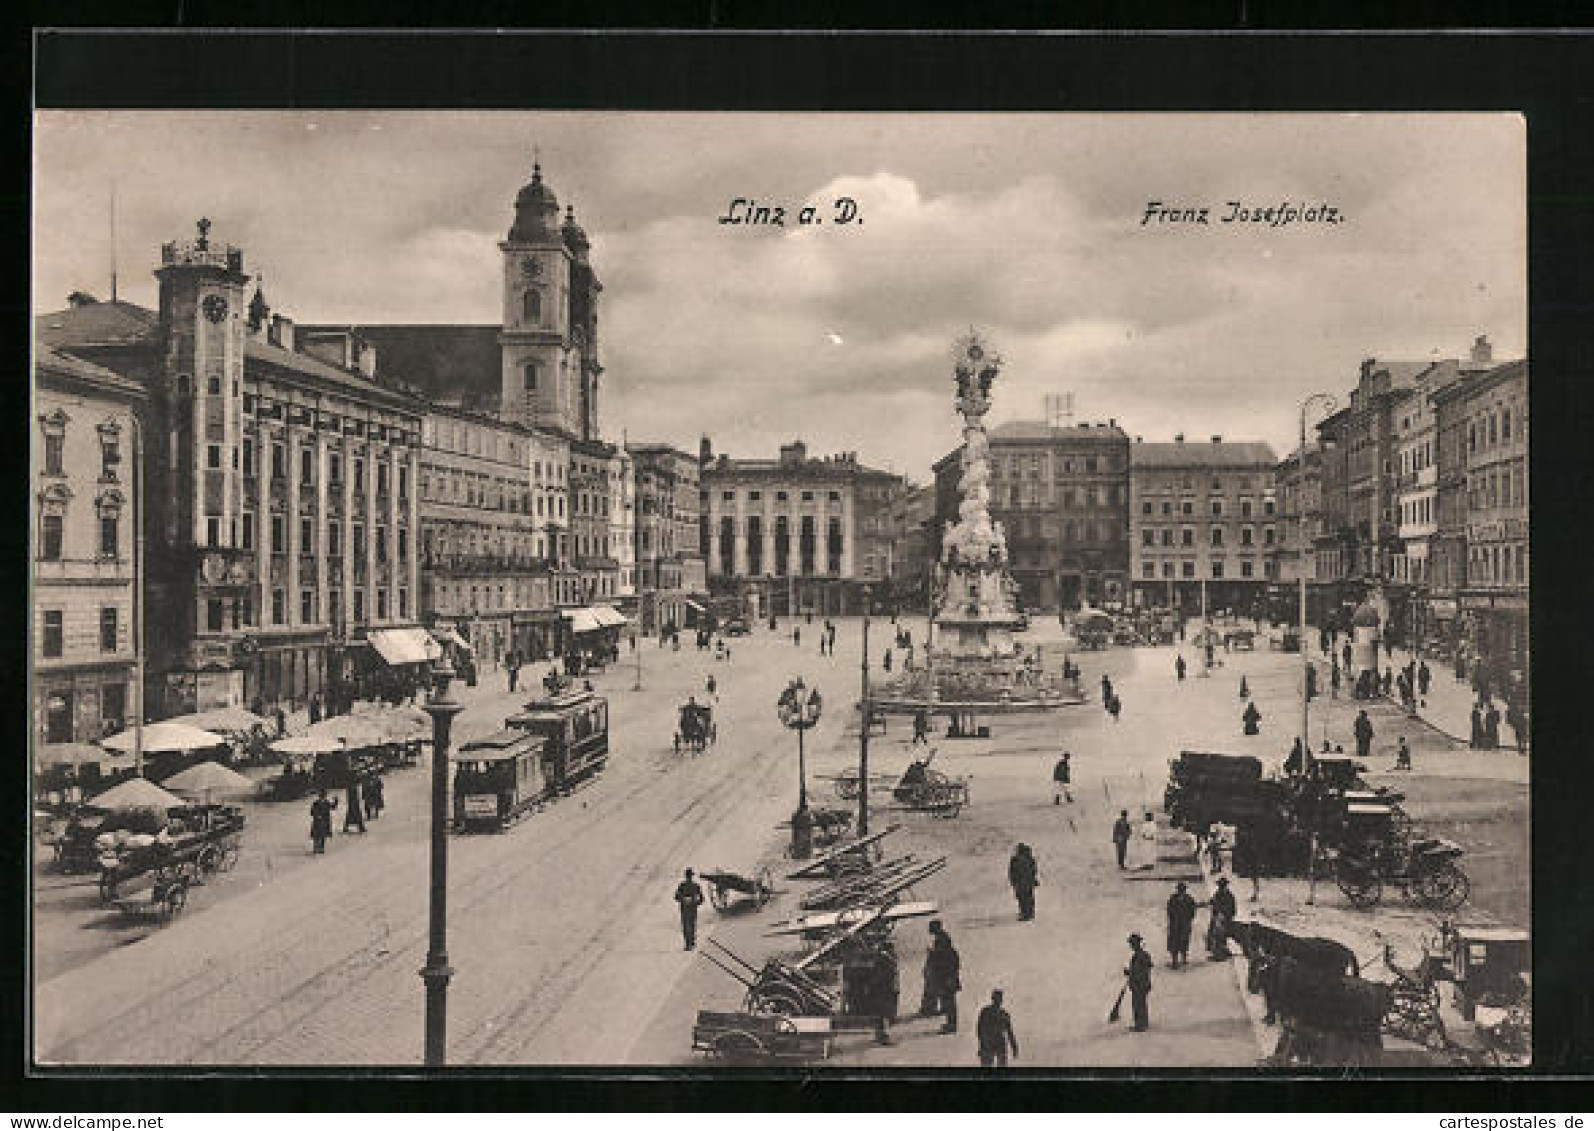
[
  {"x": 1112, "y": 422},
  {"x": 1367, "y": 367},
  {"x": 793, "y": 453},
  {"x": 80, "y": 298},
  {"x": 1178, "y": 437},
  {"x": 705, "y": 451},
  {"x": 281, "y": 332},
  {"x": 1217, "y": 439},
  {"x": 1482, "y": 351},
  {"x": 365, "y": 358},
  {"x": 1139, "y": 440}
]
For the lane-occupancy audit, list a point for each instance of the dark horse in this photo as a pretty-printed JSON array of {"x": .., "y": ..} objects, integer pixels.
[
  {"x": 1325, "y": 1018},
  {"x": 1265, "y": 946}
]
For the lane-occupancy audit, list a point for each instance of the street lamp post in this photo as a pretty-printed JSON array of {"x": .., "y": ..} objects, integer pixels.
[
  {"x": 437, "y": 972},
  {"x": 798, "y": 709},
  {"x": 1328, "y": 403},
  {"x": 139, "y": 661},
  {"x": 866, "y": 714}
]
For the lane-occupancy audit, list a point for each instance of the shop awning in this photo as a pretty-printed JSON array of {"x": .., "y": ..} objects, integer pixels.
[
  {"x": 403, "y": 645},
  {"x": 695, "y": 607},
  {"x": 450, "y": 636},
  {"x": 582, "y": 620},
  {"x": 609, "y": 617}
]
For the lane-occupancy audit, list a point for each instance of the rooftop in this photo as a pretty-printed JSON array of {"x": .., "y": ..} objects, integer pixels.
[
  {"x": 451, "y": 365},
  {"x": 1214, "y": 454},
  {"x": 1021, "y": 430}
]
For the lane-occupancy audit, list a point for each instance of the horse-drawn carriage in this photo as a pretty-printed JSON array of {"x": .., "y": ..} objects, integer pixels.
[
  {"x": 696, "y": 730},
  {"x": 1425, "y": 870},
  {"x": 142, "y": 873}
]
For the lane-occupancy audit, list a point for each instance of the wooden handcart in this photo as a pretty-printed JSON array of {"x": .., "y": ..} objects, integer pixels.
[
  {"x": 731, "y": 889},
  {"x": 747, "y": 1037}
]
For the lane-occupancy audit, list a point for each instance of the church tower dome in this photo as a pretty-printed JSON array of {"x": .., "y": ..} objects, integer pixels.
[
  {"x": 536, "y": 211},
  {"x": 575, "y": 236}
]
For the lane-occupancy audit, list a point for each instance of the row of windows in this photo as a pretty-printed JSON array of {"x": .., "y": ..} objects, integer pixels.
[
  {"x": 1487, "y": 430},
  {"x": 1187, "y": 507},
  {"x": 464, "y": 488},
  {"x": 1414, "y": 511},
  {"x": 1187, "y": 483},
  {"x": 1498, "y": 487},
  {"x": 1498, "y": 565},
  {"x": 52, "y": 639},
  {"x": 55, "y": 449},
  {"x": 334, "y": 540},
  {"x": 244, "y": 459},
  {"x": 52, "y": 529},
  {"x": 1038, "y": 494},
  {"x": 1187, "y": 536},
  {"x": 780, "y": 496},
  {"x": 318, "y": 419},
  {"x": 1029, "y": 467},
  {"x": 242, "y": 612},
  {"x": 1417, "y": 458},
  {"x": 1187, "y": 569}
]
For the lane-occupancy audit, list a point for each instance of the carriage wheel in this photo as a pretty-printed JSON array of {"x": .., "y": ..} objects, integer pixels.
[
  {"x": 780, "y": 999},
  {"x": 1444, "y": 889},
  {"x": 209, "y": 859},
  {"x": 719, "y": 897},
  {"x": 739, "y": 1045},
  {"x": 1360, "y": 884},
  {"x": 765, "y": 883},
  {"x": 176, "y": 899}
]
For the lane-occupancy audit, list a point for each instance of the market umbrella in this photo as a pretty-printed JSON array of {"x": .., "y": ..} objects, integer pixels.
[
  {"x": 209, "y": 779},
  {"x": 136, "y": 793},
  {"x": 232, "y": 720},
  {"x": 164, "y": 737},
  {"x": 359, "y": 730},
  {"x": 1093, "y": 616},
  {"x": 307, "y": 744},
  {"x": 74, "y": 754}
]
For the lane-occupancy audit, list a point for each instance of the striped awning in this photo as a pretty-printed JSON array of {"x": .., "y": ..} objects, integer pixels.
[{"x": 404, "y": 645}]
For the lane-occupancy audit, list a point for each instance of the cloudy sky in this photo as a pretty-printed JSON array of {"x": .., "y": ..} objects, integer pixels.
[{"x": 1028, "y": 226}]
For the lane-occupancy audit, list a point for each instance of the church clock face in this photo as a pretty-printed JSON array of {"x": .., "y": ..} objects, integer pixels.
[
  {"x": 531, "y": 268},
  {"x": 215, "y": 308}
]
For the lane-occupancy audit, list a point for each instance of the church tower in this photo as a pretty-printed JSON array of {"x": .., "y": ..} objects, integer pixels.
[{"x": 541, "y": 374}]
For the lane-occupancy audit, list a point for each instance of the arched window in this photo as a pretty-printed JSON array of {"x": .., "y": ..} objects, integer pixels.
[{"x": 531, "y": 306}]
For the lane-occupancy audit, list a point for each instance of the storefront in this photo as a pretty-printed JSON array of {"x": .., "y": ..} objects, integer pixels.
[{"x": 538, "y": 635}]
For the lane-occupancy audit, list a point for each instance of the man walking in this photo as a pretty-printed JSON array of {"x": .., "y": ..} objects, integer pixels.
[
  {"x": 1223, "y": 911},
  {"x": 690, "y": 897},
  {"x": 1181, "y": 917},
  {"x": 1363, "y": 729},
  {"x": 942, "y": 970},
  {"x": 1139, "y": 974},
  {"x": 1424, "y": 677},
  {"x": 1062, "y": 778},
  {"x": 1403, "y": 755},
  {"x": 321, "y": 822},
  {"x": 1178, "y": 667},
  {"x": 1121, "y": 832},
  {"x": 921, "y": 727},
  {"x": 354, "y": 811},
  {"x": 1023, "y": 874},
  {"x": 995, "y": 1030},
  {"x": 315, "y": 708}
]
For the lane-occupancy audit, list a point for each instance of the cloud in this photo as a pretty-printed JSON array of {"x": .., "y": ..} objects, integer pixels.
[{"x": 1027, "y": 225}]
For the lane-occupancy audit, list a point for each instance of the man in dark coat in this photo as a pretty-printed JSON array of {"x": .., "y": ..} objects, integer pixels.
[
  {"x": 1296, "y": 762},
  {"x": 321, "y": 821},
  {"x": 371, "y": 795},
  {"x": 690, "y": 897},
  {"x": 315, "y": 708},
  {"x": 995, "y": 1031},
  {"x": 1333, "y": 680},
  {"x": 1424, "y": 677},
  {"x": 282, "y": 721},
  {"x": 921, "y": 727},
  {"x": 1223, "y": 911},
  {"x": 1363, "y": 729},
  {"x": 1252, "y": 719},
  {"x": 1346, "y": 654},
  {"x": 1023, "y": 874},
  {"x": 1114, "y": 706},
  {"x": 1491, "y": 727},
  {"x": 942, "y": 978},
  {"x": 1106, "y": 690},
  {"x": 1062, "y": 777},
  {"x": 1178, "y": 667},
  {"x": 1476, "y": 739},
  {"x": 354, "y": 811},
  {"x": 1181, "y": 917},
  {"x": 1139, "y": 974},
  {"x": 1121, "y": 832}
]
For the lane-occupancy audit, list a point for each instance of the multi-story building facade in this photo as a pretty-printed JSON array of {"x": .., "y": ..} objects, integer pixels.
[
  {"x": 1494, "y": 599},
  {"x": 910, "y": 554},
  {"x": 669, "y": 565},
  {"x": 85, "y": 565},
  {"x": 1447, "y": 567},
  {"x": 1061, "y": 496},
  {"x": 593, "y": 467},
  {"x": 1298, "y": 489},
  {"x": 1204, "y": 519},
  {"x": 486, "y": 531},
  {"x": 783, "y": 534},
  {"x": 282, "y": 512}
]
